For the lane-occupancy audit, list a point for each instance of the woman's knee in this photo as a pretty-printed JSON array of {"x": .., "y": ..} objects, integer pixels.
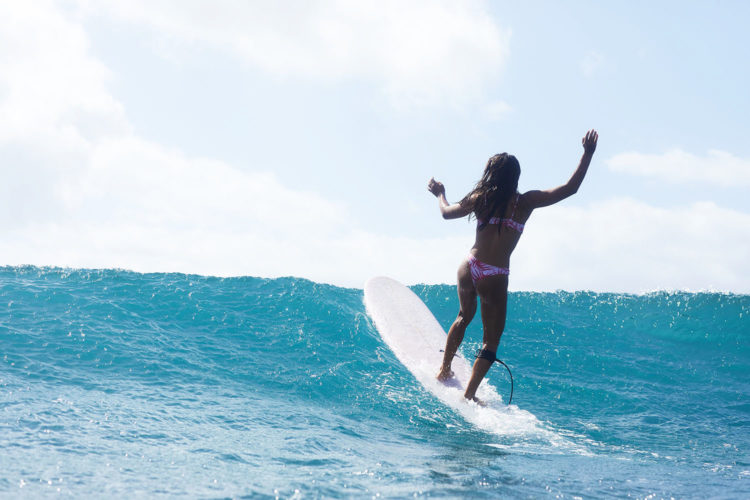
[{"x": 463, "y": 319}]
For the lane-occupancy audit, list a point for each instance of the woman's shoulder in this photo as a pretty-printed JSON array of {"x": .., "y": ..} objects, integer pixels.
[
  {"x": 527, "y": 196},
  {"x": 525, "y": 200},
  {"x": 469, "y": 201}
]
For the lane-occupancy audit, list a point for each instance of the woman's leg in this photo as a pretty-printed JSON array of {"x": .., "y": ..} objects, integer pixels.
[
  {"x": 493, "y": 295},
  {"x": 467, "y": 299}
]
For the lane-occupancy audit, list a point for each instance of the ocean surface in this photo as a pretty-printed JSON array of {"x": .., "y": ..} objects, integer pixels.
[{"x": 118, "y": 384}]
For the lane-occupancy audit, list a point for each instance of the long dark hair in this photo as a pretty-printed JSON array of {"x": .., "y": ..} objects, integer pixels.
[{"x": 494, "y": 190}]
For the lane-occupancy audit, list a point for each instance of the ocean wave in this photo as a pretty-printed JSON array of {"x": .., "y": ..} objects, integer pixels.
[{"x": 287, "y": 380}]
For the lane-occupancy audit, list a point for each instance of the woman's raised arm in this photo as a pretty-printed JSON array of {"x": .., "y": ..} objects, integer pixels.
[
  {"x": 448, "y": 211},
  {"x": 537, "y": 198}
]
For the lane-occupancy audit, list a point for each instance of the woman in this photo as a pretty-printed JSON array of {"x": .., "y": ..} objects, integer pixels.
[{"x": 501, "y": 213}]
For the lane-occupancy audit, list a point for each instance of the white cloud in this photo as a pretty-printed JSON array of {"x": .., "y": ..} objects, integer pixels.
[
  {"x": 346, "y": 259},
  {"x": 676, "y": 166},
  {"x": 418, "y": 52},
  {"x": 629, "y": 245},
  {"x": 52, "y": 88},
  {"x": 54, "y": 105},
  {"x": 619, "y": 245}
]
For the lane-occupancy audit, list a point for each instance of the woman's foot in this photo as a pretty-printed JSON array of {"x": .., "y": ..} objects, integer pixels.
[
  {"x": 478, "y": 401},
  {"x": 445, "y": 375}
]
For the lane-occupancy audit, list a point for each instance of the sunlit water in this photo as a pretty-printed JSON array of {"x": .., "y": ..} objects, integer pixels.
[{"x": 120, "y": 384}]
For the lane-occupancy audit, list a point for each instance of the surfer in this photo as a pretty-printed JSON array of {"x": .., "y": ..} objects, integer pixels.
[{"x": 501, "y": 212}]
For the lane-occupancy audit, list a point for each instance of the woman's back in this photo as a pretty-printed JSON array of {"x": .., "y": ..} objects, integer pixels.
[{"x": 498, "y": 235}]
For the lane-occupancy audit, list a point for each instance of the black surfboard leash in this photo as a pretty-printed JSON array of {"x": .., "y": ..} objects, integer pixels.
[{"x": 497, "y": 360}]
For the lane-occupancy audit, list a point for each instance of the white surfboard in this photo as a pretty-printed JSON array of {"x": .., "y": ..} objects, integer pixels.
[{"x": 416, "y": 338}]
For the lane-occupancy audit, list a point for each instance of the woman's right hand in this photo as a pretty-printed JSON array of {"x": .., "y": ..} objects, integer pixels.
[
  {"x": 435, "y": 187},
  {"x": 589, "y": 141}
]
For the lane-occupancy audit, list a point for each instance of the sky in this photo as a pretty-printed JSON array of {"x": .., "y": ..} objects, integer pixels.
[{"x": 296, "y": 138}]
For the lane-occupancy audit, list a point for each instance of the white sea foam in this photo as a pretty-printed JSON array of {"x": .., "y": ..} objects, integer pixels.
[{"x": 515, "y": 426}]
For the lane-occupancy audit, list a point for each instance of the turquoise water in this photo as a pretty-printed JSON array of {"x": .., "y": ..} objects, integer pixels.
[{"x": 123, "y": 384}]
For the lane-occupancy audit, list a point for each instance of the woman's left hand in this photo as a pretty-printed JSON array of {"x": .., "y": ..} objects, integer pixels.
[
  {"x": 435, "y": 187},
  {"x": 589, "y": 141}
]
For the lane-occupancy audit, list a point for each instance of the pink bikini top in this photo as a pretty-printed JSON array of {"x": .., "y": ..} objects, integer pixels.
[{"x": 509, "y": 222}]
